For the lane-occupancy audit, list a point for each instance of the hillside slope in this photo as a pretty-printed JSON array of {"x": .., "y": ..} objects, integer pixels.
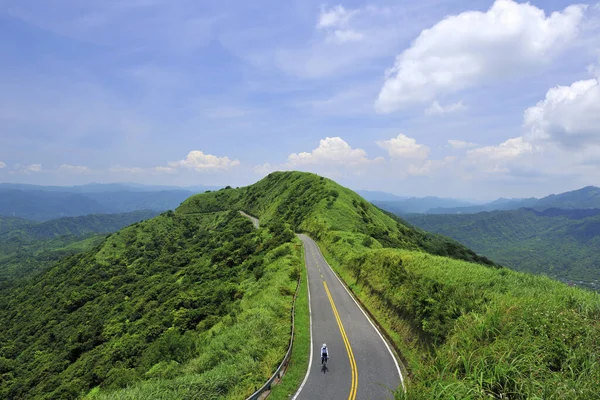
[
  {"x": 157, "y": 304},
  {"x": 559, "y": 243},
  {"x": 317, "y": 205},
  {"x": 196, "y": 303}
]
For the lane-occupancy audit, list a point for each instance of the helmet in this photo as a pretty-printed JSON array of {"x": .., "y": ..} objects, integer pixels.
[{"x": 324, "y": 345}]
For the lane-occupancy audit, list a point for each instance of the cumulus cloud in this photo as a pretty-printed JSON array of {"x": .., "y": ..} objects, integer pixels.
[
  {"x": 511, "y": 148},
  {"x": 568, "y": 116},
  {"x": 474, "y": 47},
  {"x": 460, "y": 144},
  {"x": 331, "y": 151},
  {"x": 437, "y": 109},
  {"x": 198, "y": 161},
  {"x": 74, "y": 169},
  {"x": 404, "y": 147}
]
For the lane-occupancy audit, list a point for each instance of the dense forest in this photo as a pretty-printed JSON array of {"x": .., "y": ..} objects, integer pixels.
[
  {"x": 163, "y": 298},
  {"x": 560, "y": 243}
]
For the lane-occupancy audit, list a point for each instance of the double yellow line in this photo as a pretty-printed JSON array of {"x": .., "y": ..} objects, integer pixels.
[{"x": 354, "y": 386}]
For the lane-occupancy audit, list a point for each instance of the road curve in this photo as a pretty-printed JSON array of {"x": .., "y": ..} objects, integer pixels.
[
  {"x": 254, "y": 220},
  {"x": 361, "y": 365}
]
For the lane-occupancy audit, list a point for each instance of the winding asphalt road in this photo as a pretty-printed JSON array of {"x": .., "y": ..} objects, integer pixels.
[{"x": 361, "y": 365}]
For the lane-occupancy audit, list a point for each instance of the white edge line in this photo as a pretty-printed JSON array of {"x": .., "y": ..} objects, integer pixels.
[
  {"x": 311, "y": 333},
  {"x": 368, "y": 319}
]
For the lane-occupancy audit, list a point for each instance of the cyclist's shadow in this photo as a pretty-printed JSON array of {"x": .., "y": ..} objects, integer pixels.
[{"x": 324, "y": 368}]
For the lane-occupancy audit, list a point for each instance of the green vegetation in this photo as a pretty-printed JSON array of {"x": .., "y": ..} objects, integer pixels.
[
  {"x": 317, "y": 205},
  {"x": 195, "y": 304},
  {"x": 28, "y": 247},
  {"x": 298, "y": 364},
  {"x": 181, "y": 306},
  {"x": 560, "y": 243},
  {"x": 466, "y": 330}
]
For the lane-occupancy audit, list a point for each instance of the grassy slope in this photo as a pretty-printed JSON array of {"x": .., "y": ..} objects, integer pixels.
[
  {"x": 466, "y": 330},
  {"x": 317, "y": 205},
  {"x": 562, "y": 244},
  {"x": 181, "y": 306}
]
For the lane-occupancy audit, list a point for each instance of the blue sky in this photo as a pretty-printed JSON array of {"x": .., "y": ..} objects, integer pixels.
[{"x": 470, "y": 99}]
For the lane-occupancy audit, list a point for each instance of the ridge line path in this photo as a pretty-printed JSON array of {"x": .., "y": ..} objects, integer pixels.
[
  {"x": 254, "y": 220},
  {"x": 361, "y": 365}
]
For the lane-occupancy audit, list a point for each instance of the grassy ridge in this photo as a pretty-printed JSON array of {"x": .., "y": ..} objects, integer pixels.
[
  {"x": 316, "y": 205},
  {"x": 179, "y": 306},
  {"x": 466, "y": 330}
]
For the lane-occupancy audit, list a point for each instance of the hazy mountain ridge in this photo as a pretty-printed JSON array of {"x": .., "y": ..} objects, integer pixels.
[
  {"x": 558, "y": 242},
  {"x": 46, "y": 205},
  {"x": 584, "y": 198},
  {"x": 28, "y": 247}
]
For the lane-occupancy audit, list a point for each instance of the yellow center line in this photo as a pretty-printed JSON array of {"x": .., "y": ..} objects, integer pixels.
[{"x": 354, "y": 385}]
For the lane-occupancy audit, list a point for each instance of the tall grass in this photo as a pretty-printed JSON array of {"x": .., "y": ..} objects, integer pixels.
[{"x": 474, "y": 332}]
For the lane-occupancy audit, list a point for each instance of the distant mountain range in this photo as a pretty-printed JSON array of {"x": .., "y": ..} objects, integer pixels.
[
  {"x": 42, "y": 203},
  {"x": 27, "y": 246},
  {"x": 585, "y": 198},
  {"x": 561, "y": 243}
]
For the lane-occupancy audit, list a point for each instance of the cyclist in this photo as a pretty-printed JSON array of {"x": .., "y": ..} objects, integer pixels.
[{"x": 324, "y": 354}]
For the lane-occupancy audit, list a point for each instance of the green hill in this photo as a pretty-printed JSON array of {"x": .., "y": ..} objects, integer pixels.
[
  {"x": 560, "y": 243},
  {"x": 195, "y": 304}
]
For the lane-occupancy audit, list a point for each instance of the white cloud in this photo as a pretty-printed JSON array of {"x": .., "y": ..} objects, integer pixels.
[
  {"x": 168, "y": 170},
  {"x": 404, "y": 147},
  {"x": 569, "y": 116},
  {"x": 33, "y": 168},
  {"x": 429, "y": 166},
  {"x": 265, "y": 169},
  {"x": 127, "y": 170},
  {"x": 197, "y": 160},
  {"x": 437, "y": 109},
  {"x": 331, "y": 151},
  {"x": 346, "y": 35},
  {"x": 460, "y": 144},
  {"x": 2, "y": 165},
  {"x": 474, "y": 47},
  {"x": 335, "y": 17},
  {"x": 27, "y": 168},
  {"x": 74, "y": 169},
  {"x": 511, "y": 148}
]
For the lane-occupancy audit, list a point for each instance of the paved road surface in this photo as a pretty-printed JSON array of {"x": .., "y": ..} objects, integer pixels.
[
  {"x": 360, "y": 365},
  {"x": 254, "y": 220}
]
